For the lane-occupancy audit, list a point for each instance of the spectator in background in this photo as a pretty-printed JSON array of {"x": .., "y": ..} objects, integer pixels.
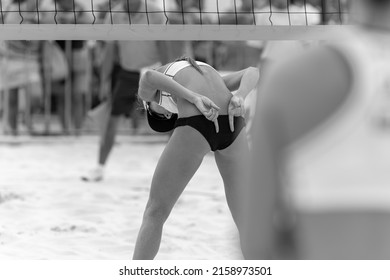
[
  {"x": 190, "y": 12},
  {"x": 19, "y": 12},
  {"x": 132, "y": 57},
  {"x": 336, "y": 11},
  {"x": 245, "y": 12},
  {"x": 65, "y": 12},
  {"x": 288, "y": 12},
  {"x": 104, "y": 8},
  {"x": 68, "y": 12},
  {"x": 80, "y": 71}
]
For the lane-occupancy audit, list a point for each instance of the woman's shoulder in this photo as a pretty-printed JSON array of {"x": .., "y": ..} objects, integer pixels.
[{"x": 162, "y": 68}]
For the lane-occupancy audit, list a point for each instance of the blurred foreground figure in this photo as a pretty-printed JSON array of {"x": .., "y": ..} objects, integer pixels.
[{"x": 320, "y": 162}]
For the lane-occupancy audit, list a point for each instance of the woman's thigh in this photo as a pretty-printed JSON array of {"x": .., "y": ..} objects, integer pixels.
[
  {"x": 232, "y": 165},
  {"x": 232, "y": 160},
  {"x": 178, "y": 163}
]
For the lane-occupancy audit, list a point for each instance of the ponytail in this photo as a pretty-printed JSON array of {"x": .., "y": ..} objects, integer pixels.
[{"x": 191, "y": 61}]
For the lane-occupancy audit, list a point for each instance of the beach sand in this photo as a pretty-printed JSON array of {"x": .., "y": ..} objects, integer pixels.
[{"x": 47, "y": 212}]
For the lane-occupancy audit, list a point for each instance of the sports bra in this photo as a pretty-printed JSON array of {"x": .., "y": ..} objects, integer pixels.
[{"x": 166, "y": 100}]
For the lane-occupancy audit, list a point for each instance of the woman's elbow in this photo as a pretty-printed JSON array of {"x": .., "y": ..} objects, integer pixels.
[
  {"x": 254, "y": 70},
  {"x": 254, "y": 73},
  {"x": 145, "y": 90}
]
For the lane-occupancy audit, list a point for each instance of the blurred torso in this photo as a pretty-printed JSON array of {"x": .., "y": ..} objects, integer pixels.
[{"x": 345, "y": 160}]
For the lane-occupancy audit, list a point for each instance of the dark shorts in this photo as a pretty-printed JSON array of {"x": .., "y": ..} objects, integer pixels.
[
  {"x": 217, "y": 141},
  {"x": 124, "y": 94}
]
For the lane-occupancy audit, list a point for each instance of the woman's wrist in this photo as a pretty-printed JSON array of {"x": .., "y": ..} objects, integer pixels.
[
  {"x": 192, "y": 97},
  {"x": 239, "y": 93}
]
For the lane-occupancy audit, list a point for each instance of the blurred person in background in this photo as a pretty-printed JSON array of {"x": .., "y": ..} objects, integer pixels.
[
  {"x": 246, "y": 12},
  {"x": 190, "y": 12},
  {"x": 288, "y": 12},
  {"x": 68, "y": 12},
  {"x": 21, "y": 11},
  {"x": 126, "y": 59},
  {"x": 234, "y": 55},
  {"x": 80, "y": 78},
  {"x": 336, "y": 11},
  {"x": 65, "y": 12},
  {"x": 104, "y": 8},
  {"x": 319, "y": 164},
  {"x": 20, "y": 55}
]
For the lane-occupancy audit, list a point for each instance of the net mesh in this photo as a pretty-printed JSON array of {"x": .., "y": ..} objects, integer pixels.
[{"x": 185, "y": 12}]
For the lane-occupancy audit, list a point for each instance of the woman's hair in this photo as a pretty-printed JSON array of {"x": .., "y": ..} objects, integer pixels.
[{"x": 190, "y": 61}]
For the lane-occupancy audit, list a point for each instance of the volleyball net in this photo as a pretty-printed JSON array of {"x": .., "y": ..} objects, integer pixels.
[{"x": 94, "y": 19}]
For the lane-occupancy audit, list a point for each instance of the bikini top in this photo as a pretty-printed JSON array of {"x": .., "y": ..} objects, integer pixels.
[{"x": 166, "y": 100}]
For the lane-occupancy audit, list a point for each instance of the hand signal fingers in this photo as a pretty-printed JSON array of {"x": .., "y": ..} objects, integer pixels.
[
  {"x": 216, "y": 125},
  {"x": 210, "y": 103},
  {"x": 213, "y": 105},
  {"x": 231, "y": 122},
  {"x": 208, "y": 114},
  {"x": 213, "y": 115}
]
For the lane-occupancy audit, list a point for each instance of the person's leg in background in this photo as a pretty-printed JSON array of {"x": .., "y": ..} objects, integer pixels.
[
  {"x": 110, "y": 123},
  {"x": 107, "y": 142},
  {"x": 118, "y": 106},
  {"x": 126, "y": 102},
  {"x": 13, "y": 103},
  {"x": 135, "y": 115},
  {"x": 80, "y": 83},
  {"x": 109, "y": 113},
  {"x": 58, "y": 104},
  {"x": 77, "y": 107}
]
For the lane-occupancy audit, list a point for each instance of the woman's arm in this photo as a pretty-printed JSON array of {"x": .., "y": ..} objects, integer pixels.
[
  {"x": 243, "y": 81},
  {"x": 152, "y": 81}
]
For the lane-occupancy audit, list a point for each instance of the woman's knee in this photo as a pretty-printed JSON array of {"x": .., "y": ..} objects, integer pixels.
[{"x": 157, "y": 212}]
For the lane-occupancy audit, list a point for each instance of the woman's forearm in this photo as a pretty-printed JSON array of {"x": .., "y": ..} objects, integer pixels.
[{"x": 248, "y": 82}]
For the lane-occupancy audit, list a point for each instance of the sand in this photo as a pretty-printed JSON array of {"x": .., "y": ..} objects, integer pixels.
[{"x": 47, "y": 212}]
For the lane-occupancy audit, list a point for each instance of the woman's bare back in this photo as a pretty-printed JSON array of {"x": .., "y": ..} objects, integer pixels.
[{"x": 209, "y": 84}]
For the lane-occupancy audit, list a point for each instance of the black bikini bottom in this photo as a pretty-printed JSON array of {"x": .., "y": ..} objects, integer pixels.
[{"x": 217, "y": 141}]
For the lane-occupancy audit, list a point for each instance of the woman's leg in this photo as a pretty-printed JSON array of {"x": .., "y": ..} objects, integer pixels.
[
  {"x": 231, "y": 164},
  {"x": 13, "y": 103},
  {"x": 178, "y": 163}
]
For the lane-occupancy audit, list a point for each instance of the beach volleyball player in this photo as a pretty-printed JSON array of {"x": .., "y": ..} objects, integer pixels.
[
  {"x": 314, "y": 133},
  {"x": 192, "y": 99}
]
